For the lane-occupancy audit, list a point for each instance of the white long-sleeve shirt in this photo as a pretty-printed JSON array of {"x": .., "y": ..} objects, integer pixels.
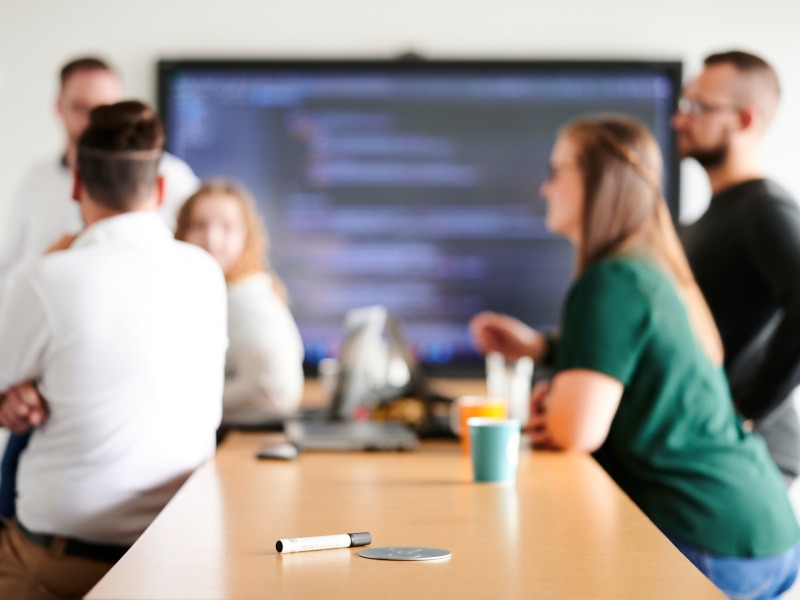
[
  {"x": 42, "y": 211},
  {"x": 125, "y": 334},
  {"x": 264, "y": 365}
]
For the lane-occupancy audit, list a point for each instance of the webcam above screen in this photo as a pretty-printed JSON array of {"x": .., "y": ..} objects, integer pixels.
[{"x": 407, "y": 184}]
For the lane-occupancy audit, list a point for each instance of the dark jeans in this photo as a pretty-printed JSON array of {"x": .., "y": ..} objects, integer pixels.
[
  {"x": 759, "y": 578},
  {"x": 8, "y": 473}
]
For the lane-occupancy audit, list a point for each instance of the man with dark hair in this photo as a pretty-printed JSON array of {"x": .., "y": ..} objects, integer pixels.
[
  {"x": 745, "y": 250},
  {"x": 87, "y": 63},
  {"x": 116, "y": 346},
  {"x": 42, "y": 212}
]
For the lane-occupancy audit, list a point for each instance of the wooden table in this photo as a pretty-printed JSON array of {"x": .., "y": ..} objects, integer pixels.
[{"x": 564, "y": 531}]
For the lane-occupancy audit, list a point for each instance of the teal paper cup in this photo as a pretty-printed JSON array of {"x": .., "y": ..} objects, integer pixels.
[{"x": 494, "y": 445}]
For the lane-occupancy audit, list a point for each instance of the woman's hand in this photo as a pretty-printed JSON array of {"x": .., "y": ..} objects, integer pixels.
[
  {"x": 537, "y": 422},
  {"x": 575, "y": 411},
  {"x": 493, "y": 332}
]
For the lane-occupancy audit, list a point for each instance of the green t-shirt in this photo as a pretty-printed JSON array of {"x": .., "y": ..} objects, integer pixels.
[{"x": 675, "y": 445}]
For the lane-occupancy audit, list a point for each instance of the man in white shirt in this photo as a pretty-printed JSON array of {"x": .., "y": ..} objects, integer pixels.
[
  {"x": 122, "y": 337},
  {"x": 42, "y": 210}
]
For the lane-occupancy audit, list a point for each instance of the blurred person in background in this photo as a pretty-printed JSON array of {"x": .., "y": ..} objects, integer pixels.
[{"x": 264, "y": 364}]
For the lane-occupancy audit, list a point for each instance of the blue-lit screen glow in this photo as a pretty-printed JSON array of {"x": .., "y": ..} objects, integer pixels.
[{"x": 415, "y": 187}]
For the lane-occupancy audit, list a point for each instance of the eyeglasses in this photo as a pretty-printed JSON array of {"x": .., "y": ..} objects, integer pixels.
[
  {"x": 696, "y": 108},
  {"x": 553, "y": 171}
]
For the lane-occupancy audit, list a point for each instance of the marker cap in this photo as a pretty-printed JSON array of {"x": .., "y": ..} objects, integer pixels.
[{"x": 360, "y": 539}]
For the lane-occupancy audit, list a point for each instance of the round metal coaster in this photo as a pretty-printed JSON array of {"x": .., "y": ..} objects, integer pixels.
[{"x": 405, "y": 553}]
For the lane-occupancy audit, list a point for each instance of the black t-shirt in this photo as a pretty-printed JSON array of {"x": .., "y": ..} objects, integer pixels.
[{"x": 745, "y": 254}]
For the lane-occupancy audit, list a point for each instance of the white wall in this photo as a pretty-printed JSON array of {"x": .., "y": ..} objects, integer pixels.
[{"x": 36, "y": 37}]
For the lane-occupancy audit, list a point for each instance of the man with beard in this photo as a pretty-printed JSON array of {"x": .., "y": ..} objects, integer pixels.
[{"x": 745, "y": 250}]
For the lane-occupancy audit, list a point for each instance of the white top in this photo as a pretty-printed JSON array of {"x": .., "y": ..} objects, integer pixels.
[
  {"x": 264, "y": 365},
  {"x": 43, "y": 209},
  {"x": 125, "y": 333}
]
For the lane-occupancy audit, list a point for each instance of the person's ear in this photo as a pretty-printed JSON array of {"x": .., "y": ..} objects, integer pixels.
[
  {"x": 747, "y": 118},
  {"x": 160, "y": 191},
  {"x": 77, "y": 186}
]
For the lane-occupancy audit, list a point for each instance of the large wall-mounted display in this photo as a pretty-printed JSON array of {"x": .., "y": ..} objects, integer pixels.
[{"x": 411, "y": 184}]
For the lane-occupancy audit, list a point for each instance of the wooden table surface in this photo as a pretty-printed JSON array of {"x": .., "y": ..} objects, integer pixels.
[{"x": 565, "y": 530}]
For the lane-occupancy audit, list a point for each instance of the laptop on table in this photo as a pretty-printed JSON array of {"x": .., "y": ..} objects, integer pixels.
[{"x": 361, "y": 360}]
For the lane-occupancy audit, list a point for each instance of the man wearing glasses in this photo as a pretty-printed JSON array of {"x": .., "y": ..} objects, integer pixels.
[{"x": 745, "y": 249}]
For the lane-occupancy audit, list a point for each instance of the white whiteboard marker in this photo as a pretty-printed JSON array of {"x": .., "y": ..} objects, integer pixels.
[{"x": 323, "y": 542}]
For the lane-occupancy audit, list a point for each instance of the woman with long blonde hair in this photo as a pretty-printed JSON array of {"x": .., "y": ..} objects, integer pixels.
[
  {"x": 638, "y": 376},
  {"x": 264, "y": 363}
]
